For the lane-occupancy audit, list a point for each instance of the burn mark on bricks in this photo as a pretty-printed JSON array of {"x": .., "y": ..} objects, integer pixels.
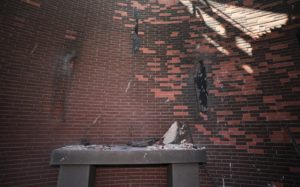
[
  {"x": 61, "y": 83},
  {"x": 64, "y": 70}
]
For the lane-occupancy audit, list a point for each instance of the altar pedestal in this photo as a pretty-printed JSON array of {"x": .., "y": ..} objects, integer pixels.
[{"x": 77, "y": 163}]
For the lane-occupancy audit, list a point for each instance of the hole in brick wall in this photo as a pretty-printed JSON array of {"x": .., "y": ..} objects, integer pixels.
[
  {"x": 135, "y": 37},
  {"x": 200, "y": 84}
]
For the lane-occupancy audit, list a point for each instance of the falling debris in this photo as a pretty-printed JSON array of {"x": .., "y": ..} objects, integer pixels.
[
  {"x": 96, "y": 119},
  {"x": 34, "y": 48},
  {"x": 128, "y": 86},
  {"x": 230, "y": 166}
]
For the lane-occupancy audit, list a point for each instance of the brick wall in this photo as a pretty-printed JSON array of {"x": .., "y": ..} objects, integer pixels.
[{"x": 106, "y": 94}]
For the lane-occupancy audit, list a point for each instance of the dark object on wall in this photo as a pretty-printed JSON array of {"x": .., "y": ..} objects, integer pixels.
[
  {"x": 135, "y": 35},
  {"x": 296, "y": 146},
  {"x": 298, "y": 36},
  {"x": 143, "y": 143},
  {"x": 62, "y": 78},
  {"x": 194, "y": 9},
  {"x": 200, "y": 84},
  {"x": 136, "y": 43},
  {"x": 85, "y": 142}
]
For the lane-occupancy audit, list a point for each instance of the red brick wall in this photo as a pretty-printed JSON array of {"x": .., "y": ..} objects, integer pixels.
[{"x": 110, "y": 95}]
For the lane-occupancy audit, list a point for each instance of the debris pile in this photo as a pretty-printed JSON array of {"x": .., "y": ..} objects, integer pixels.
[
  {"x": 177, "y": 137},
  {"x": 87, "y": 147}
]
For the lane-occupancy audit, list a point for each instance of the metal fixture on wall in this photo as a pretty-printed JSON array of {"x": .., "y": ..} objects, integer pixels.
[
  {"x": 135, "y": 33},
  {"x": 200, "y": 84}
]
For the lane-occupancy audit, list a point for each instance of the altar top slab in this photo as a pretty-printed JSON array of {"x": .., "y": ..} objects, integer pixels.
[{"x": 125, "y": 155}]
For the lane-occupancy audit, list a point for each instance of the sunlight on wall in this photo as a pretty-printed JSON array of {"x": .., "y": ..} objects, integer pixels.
[
  {"x": 168, "y": 2},
  {"x": 215, "y": 44},
  {"x": 235, "y": 15},
  {"x": 213, "y": 23},
  {"x": 247, "y": 68},
  {"x": 243, "y": 45},
  {"x": 258, "y": 22},
  {"x": 188, "y": 4}
]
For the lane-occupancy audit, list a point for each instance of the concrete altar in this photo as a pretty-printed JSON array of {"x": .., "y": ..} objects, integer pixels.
[{"x": 78, "y": 163}]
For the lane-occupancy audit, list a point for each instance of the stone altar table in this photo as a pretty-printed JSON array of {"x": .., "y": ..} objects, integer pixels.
[{"x": 78, "y": 163}]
